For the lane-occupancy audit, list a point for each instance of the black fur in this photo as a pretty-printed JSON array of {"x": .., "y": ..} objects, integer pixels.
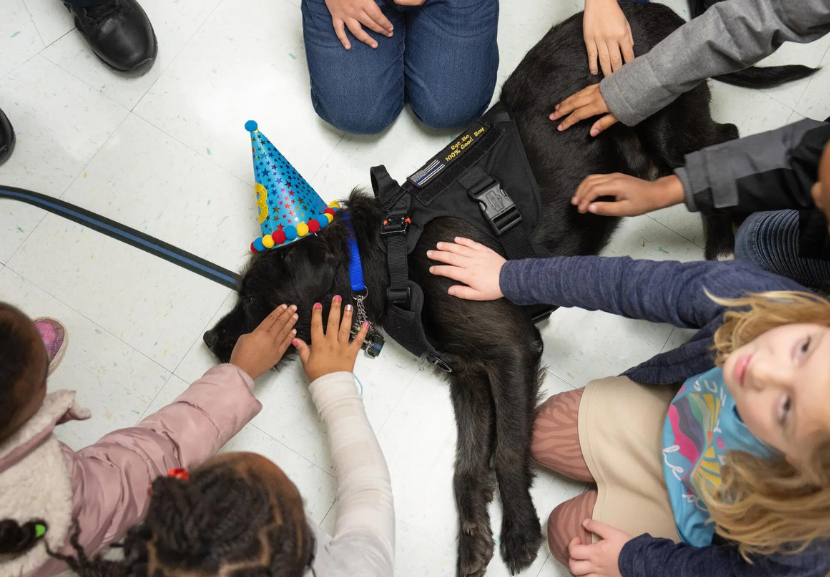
[{"x": 494, "y": 346}]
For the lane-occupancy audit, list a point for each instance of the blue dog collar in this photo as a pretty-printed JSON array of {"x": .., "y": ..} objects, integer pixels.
[{"x": 355, "y": 264}]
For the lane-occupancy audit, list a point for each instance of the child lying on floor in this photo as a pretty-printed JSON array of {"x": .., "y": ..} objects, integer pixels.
[
  {"x": 50, "y": 491},
  {"x": 728, "y": 476}
]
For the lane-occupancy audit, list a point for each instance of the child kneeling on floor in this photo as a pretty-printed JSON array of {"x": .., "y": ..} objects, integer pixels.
[
  {"x": 50, "y": 493},
  {"x": 730, "y": 474}
]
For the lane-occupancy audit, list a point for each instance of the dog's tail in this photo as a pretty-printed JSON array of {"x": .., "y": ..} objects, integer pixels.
[
  {"x": 767, "y": 76},
  {"x": 756, "y": 76}
]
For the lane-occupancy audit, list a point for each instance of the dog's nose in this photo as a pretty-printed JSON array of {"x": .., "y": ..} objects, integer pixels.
[{"x": 211, "y": 338}]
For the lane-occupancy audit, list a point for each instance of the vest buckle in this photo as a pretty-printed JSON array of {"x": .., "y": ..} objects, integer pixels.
[
  {"x": 394, "y": 224},
  {"x": 498, "y": 208}
]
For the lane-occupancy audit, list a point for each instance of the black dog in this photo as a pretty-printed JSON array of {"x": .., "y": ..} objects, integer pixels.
[{"x": 495, "y": 347}]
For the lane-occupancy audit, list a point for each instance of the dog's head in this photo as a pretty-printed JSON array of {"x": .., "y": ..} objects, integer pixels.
[{"x": 301, "y": 273}]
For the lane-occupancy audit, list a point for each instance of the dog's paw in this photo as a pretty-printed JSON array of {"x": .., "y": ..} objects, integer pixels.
[
  {"x": 520, "y": 543},
  {"x": 475, "y": 548}
]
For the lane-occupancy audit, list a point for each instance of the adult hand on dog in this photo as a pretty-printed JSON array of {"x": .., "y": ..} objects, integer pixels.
[
  {"x": 600, "y": 559},
  {"x": 472, "y": 263},
  {"x": 607, "y": 36},
  {"x": 633, "y": 196},
  {"x": 330, "y": 351},
  {"x": 351, "y": 14},
  {"x": 258, "y": 351},
  {"x": 584, "y": 104}
]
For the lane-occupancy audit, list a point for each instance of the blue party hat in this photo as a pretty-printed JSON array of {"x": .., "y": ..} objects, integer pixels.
[{"x": 288, "y": 207}]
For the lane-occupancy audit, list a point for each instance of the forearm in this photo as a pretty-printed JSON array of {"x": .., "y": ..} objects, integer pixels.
[
  {"x": 647, "y": 556},
  {"x": 665, "y": 291},
  {"x": 364, "y": 490},
  {"x": 773, "y": 170},
  {"x": 728, "y": 37}
]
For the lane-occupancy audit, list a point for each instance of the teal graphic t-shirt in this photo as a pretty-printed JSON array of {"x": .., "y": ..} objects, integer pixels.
[{"x": 702, "y": 425}]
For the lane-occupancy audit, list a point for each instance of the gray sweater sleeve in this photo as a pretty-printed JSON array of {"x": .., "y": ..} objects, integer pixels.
[
  {"x": 728, "y": 37},
  {"x": 768, "y": 171}
]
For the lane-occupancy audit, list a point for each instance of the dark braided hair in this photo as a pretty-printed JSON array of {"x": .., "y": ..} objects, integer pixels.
[
  {"x": 16, "y": 538},
  {"x": 215, "y": 519}
]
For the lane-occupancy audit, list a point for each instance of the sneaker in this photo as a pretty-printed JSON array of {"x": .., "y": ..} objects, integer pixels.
[
  {"x": 53, "y": 334},
  {"x": 6, "y": 138}
]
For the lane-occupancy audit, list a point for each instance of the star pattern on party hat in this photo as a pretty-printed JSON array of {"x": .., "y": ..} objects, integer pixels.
[{"x": 288, "y": 207}]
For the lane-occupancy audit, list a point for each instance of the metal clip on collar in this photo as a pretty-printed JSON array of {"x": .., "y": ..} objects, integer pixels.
[{"x": 499, "y": 209}]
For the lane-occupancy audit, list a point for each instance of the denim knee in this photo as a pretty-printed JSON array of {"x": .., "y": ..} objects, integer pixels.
[
  {"x": 352, "y": 114},
  {"x": 450, "y": 113},
  {"x": 746, "y": 239}
]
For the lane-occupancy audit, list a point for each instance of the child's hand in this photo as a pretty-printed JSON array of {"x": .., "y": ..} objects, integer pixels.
[
  {"x": 352, "y": 14},
  {"x": 330, "y": 352},
  {"x": 260, "y": 350},
  {"x": 607, "y": 36},
  {"x": 471, "y": 263},
  {"x": 584, "y": 104},
  {"x": 600, "y": 559},
  {"x": 633, "y": 196}
]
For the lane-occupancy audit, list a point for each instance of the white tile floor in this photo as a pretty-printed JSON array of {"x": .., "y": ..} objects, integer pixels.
[{"x": 167, "y": 154}]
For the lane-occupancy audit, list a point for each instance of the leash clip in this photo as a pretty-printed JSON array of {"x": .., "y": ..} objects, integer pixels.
[{"x": 374, "y": 341}]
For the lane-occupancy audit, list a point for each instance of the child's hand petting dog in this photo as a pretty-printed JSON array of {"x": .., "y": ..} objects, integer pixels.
[
  {"x": 472, "y": 263},
  {"x": 260, "y": 350},
  {"x": 586, "y": 103},
  {"x": 352, "y": 14},
  {"x": 601, "y": 559},
  {"x": 632, "y": 196},
  {"x": 330, "y": 352}
]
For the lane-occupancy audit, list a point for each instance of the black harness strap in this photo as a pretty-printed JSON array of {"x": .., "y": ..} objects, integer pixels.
[
  {"x": 501, "y": 212},
  {"x": 405, "y": 299}
]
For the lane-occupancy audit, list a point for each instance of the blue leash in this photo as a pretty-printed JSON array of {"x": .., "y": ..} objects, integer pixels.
[
  {"x": 355, "y": 265},
  {"x": 125, "y": 234}
]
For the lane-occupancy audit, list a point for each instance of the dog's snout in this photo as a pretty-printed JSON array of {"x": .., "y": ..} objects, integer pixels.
[{"x": 211, "y": 338}]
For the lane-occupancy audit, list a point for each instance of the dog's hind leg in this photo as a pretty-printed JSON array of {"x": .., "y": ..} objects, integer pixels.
[
  {"x": 515, "y": 376},
  {"x": 473, "y": 481}
]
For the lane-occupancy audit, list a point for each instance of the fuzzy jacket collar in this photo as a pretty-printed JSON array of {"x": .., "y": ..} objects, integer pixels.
[{"x": 58, "y": 407}]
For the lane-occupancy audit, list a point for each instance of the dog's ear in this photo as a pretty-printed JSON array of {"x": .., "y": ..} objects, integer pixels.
[{"x": 221, "y": 339}]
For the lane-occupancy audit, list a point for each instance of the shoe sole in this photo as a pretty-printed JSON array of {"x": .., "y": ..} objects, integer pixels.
[{"x": 62, "y": 350}]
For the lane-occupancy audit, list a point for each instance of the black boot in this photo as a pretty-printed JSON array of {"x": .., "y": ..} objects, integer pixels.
[
  {"x": 6, "y": 138},
  {"x": 119, "y": 33}
]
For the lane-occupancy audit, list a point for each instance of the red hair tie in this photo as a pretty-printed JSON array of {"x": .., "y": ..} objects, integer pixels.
[{"x": 181, "y": 474}]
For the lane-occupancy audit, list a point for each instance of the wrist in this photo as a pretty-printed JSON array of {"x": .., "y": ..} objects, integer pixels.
[{"x": 671, "y": 191}]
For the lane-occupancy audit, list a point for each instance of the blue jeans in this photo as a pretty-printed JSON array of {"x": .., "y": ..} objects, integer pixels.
[
  {"x": 770, "y": 240},
  {"x": 442, "y": 59}
]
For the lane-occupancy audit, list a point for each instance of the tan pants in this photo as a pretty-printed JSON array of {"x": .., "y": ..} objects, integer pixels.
[{"x": 611, "y": 434}]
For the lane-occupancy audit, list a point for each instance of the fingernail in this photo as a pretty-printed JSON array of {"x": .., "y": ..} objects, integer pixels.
[
  {"x": 337, "y": 298},
  {"x": 429, "y": 253},
  {"x": 366, "y": 325},
  {"x": 556, "y": 107},
  {"x": 295, "y": 342},
  {"x": 430, "y": 268},
  {"x": 293, "y": 331},
  {"x": 294, "y": 316},
  {"x": 318, "y": 306},
  {"x": 348, "y": 307},
  {"x": 293, "y": 307},
  {"x": 374, "y": 45},
  {"x": 594, "y": 132},
  {"x": 282, "y": 306},
  {"x": 559, "y": 128}
]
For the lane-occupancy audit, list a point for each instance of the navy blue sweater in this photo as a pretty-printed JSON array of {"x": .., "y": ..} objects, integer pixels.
[{"x": 665, "y": 292}]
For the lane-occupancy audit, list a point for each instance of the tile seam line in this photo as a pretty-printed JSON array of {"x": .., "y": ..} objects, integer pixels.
[{"x": 95, "y": 324}]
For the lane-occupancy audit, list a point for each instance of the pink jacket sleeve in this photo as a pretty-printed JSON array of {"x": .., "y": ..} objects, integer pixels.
[{"x": 110, "y": 478}]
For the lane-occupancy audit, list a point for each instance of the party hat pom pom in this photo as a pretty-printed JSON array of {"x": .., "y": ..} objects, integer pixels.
[
  {"x": 334, "y": 204},
  {"x": 290, "y": 232},
  {"x": 323, "y": 219},
  {"x": 313, "y": 225},
  {"x": 253, "y": 248},
  {"x": 329, "y": 211},
  {"x": 302, "y": 229},
  {"x": 278, "y": 236},
  {"x": 258, "y": 246},
  {"x": 329, "y": 217},
  {"x": 267, "y": 241},
  {"x": 251, "y": 125}
]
